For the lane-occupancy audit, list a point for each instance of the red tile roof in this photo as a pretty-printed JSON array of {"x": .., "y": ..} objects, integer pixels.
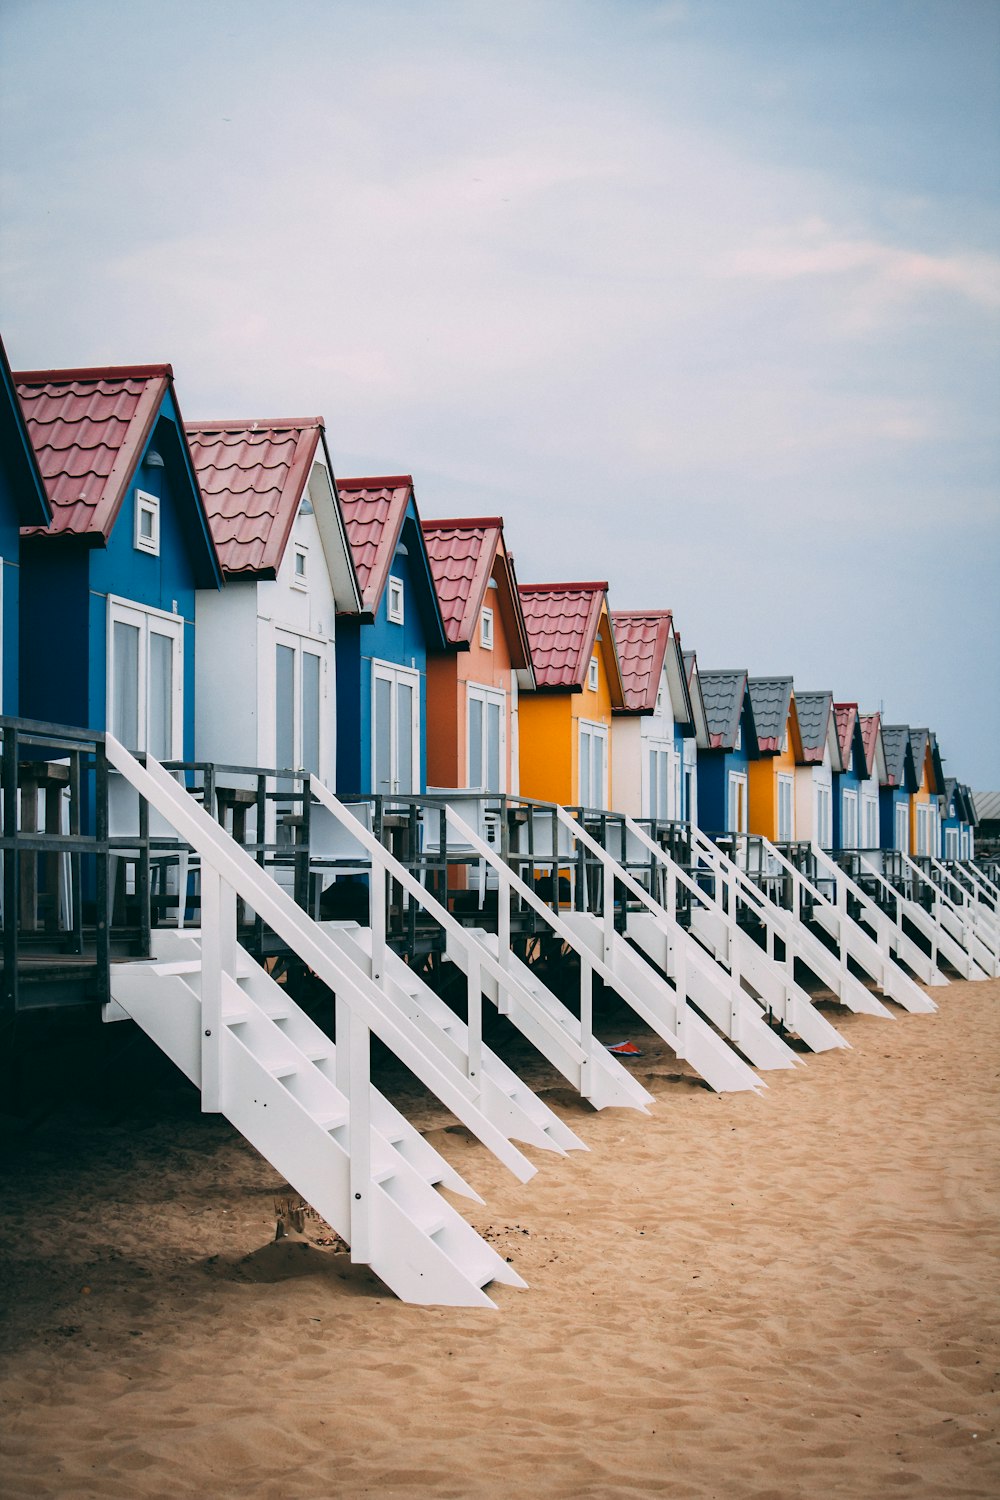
[
  {"x": 870, "y": 727},
  {"x": 562, "y": 621},
  {"x": 88, "y": 429},
  {"x": 252, "y": 475},
  {"x": 374, "y": 511},
  {"x": 642, "y": 640},
  {"x": 462, "y": 554},
  {"x": 846, "y": 715}
]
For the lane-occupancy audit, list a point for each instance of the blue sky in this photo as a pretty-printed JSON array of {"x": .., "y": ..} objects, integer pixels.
[{"x": 703, "y": 297}]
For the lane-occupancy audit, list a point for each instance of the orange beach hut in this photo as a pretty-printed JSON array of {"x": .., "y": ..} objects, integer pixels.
[{"x": 473, "y": 689}]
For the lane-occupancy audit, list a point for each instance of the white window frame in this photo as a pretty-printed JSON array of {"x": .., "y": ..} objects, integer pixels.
[
  {"x": 785, "y": 827},
  {"x": 738, "y": 744},
  {"x": 303, "y": 645},
  {"x": 147, "y": 505},
  {"x": 952, "y": 843},
  {"x": 486, "y": 630},
  {"x": 475, "y": 777},
  {"x": 127, "y": 612},
  {"x": 394, "y": 600},
  {"x": 597, "y": 731},
  {"x": 592, "y": 675},
  {"x": 390, "y": 672},
  {"x": 300, "y": 579},
  {"x": 869, "y": 822}
]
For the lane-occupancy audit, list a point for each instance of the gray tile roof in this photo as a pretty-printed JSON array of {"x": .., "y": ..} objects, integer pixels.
[
  {"x": 771, "y": 698},
  {"x": 723, "y": 696},
  {"x": 896, "y": 744},
  {"x": 814, "y": 711},
  {"x": 918, "y": 747}
]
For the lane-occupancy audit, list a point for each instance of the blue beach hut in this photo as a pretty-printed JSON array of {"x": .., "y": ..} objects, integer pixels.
[
  {"x": 723, "y": 768},
  {"x": 108, "y": 586},
  {"x": 382, "y": 652},
  {"x": 23, "y": 502}
]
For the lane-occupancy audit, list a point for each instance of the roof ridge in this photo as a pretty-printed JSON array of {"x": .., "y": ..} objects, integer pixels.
[
  {"x": 250, "y": 424},
  {"x": 563, "y": 588},
  {"x": 459, "y": 522},
  {"x": 93, "y": 372},
  {"x": 377, "y": 482}
]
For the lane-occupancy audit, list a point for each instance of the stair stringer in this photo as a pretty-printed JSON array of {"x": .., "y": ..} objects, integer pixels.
[
  {"x": 422, "y": 1249},
  {"x": 712, "y": 989},
  {"x": 655, "y": 1001},
  {"x": 172, "y": 945},
  {"x": 776, "y": 990},
  {"x": 504, "y": 1098},
  {"x": 876, "y": 962},
  {"x": 602, "y": 1079}
]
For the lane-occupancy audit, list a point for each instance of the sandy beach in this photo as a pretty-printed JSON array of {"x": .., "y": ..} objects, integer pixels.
[{"x": 793, "y": 1295}]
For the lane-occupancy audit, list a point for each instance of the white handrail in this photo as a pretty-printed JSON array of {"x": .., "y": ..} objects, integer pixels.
[
  {"x": 314, "y": 947},
  {"x": 480, "y": 957}
]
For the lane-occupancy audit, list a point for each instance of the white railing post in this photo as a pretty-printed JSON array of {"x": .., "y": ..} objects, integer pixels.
[
  {"x": 218, "y": 949},
  {"x": 505, "y": 895},
  {"x": 586, "y": 1024},
  {"x": 353, "y": 1074},
  {"x": 474, "y": 1023},
  {"x": 378, "y": 896}
]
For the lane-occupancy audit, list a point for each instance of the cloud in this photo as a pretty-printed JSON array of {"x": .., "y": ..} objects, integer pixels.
[{"x": 877, "y": 280}]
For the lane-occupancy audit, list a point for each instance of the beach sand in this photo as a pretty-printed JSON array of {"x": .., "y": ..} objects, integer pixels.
[{"x": 792, "y": 1295}]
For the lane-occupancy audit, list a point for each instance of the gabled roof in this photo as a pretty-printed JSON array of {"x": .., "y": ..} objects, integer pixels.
[
  {"x": 726, "y": 694},
  {"x": 251, "y": 476},
  {"x": 89, "y": 429},
  {"x": 692, "y": 677},
  {"x": 846, "y": 717},
  {"x": 871, "y": 734},
  {"x": 899, "y": 769},
  {"x": 772, "y": 700},
  {"x": 642, "y": 640},
  {"x": 815, "y": 712},
  {"x": 918, "y": 749},
  {"x": 20, "y": 465},
  {"x": 562, "y": 621},
  {"x": 464, "y": 553},
  {"x": 375, "y": 512}
]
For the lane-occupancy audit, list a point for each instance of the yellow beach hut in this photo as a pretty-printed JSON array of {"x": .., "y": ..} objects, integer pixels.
[{"x": 565, "y": 723}]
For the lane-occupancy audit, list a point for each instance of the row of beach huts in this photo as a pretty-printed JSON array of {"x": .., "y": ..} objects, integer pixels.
[{"x": 269, "y": 732}]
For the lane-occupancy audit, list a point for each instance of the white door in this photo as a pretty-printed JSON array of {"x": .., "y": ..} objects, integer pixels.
[
  {"x": 145, "y": 708},
  {"x": 902, "y": 826},
  {"x": 737, "y": 802},
  {"x": 658, "y": 776},
  {"x": 395, "y": 729},
  {"x": 849, "y": 821},
  {"x": 593, "y": 764},
  {"x": 786, "y": 805},
  {"x": 487, "y": 738},
  {"x": 298, "y": 694}
]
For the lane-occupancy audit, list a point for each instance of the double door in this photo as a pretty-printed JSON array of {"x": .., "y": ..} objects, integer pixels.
[{"x": 395, "y": 730}]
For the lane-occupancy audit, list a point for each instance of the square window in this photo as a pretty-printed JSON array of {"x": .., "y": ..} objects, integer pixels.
[
  {"x": 299, "y": 567},
  {"x": 147, "y": 523},
  {"x": 592, "y": 675},
  {"x": 486, "y": 629},
  {"x": 395, "y": 608}
]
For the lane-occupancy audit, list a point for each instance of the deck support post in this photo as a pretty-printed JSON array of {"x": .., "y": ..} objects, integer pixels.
[{"x": 218, "y": 940}]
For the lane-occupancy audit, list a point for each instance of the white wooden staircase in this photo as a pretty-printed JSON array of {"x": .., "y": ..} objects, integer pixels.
[{"x": 308, "y": 1106}]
